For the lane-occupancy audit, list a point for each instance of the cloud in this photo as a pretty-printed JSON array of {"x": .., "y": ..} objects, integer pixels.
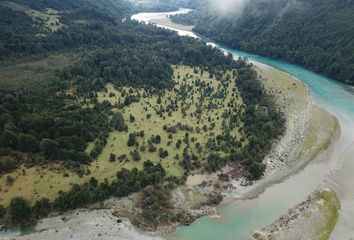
[{"x": 227, "y": 6}]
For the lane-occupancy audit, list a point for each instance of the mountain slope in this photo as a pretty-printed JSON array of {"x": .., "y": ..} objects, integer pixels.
[{"x": 317, "y": 34}]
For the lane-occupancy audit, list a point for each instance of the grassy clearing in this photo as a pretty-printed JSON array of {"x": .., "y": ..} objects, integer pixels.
[
  {"x": 328, "y": 207},
  {"x": 50, "y": 20},
  {"x": 40, "y": 181},
  {"x": 289, "y": 94},
  {"x": 314, "y": 219},
  {"x": 117, "y": 142}
]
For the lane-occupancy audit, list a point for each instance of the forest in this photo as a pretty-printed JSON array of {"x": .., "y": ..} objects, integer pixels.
[
  {"x": 55, "y": 119},
  {"x": 29, "y": 126},
  {"x": 315, "y": 34}
]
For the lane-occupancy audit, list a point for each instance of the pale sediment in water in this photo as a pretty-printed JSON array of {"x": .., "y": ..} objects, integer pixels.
[
  {"x": 168, "y": 23},
  {"x": 162, "y": 20}
]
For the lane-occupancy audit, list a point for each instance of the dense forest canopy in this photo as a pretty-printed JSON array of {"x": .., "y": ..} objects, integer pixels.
[{"x": 316, "y": 34}]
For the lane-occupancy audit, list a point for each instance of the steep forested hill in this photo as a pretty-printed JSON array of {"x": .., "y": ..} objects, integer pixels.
[
  {"x": 318, "y": 34},
  {"x": 37, "y": 27}
]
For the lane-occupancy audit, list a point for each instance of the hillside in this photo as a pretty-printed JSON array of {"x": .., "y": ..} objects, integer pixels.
[
  {"x": 94, "y": 105},
  {"x": 315, "y": 34}
]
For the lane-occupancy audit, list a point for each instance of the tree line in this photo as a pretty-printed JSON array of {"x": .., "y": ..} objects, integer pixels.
[{"x": 20, "y": 212}]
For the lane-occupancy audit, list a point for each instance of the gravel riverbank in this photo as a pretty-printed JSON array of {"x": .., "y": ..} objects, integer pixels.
[
  {"x": 313, "y": 219},
  {"x": 87, "y": 224}
]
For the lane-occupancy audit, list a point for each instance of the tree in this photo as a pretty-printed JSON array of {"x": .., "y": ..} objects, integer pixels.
[
  {"x": 27, "y": 143},
  {"x": 136, "y": 155},
  {"x": 178, "y": 143},
  {"x": 131, "y": 140},
  {"x": 159, "y": 100},
  {"x": 112, "y": 157},
  {"x": 256, "y": 170},
  {"x": 49, "y": 148},
  {"x": 10, "y": 180},
  {"x": 20, "y": 211},
  {"x": 131, "y": 118},
  {"x": 9, "y": 139},
  {"x": 156, "y": 139},
  {"x": 2, "y": 211},
  {"x": 163, "y": 153},
  {"x": 152, "y": 148},
  {"x": 118, "y": 122},
  {"x": 214, "y": 162},
  {"x": 41, "y": 208},
  {"x": 93, "y": 182}
]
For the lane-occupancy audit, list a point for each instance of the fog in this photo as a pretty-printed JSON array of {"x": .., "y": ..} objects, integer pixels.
[
  {"x": 223, "y": 7},
  {"x": 254, "y": 7}
]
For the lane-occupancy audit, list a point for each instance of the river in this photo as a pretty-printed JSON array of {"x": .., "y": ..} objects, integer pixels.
[{"x": 336, "y": 170}]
